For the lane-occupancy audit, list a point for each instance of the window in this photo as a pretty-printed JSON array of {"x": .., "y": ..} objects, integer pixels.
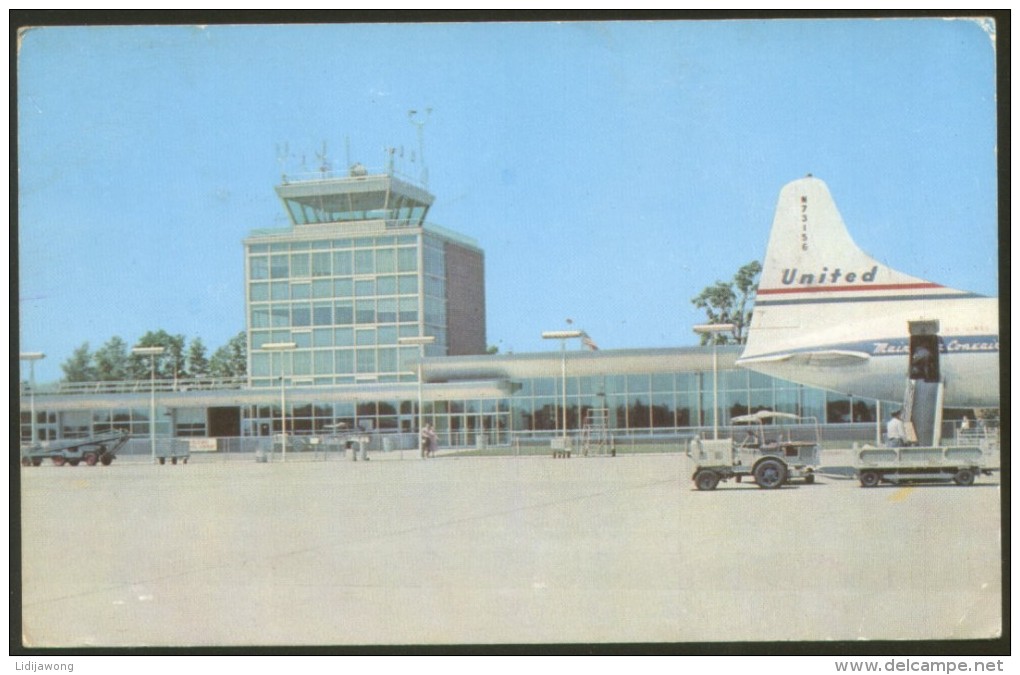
[
  {"x": 301, "y": 315},
  {"x": 344, "y": 313},
  {"x": 407, "y": 284},
  {"x": 257, "y": 292},
  {"x": 299, "y": 265},
  {"x": 364, "y": 288},
  {"x": 386, "y": 260},
  {"x": 322, "y": 314},
  {"x": 320, "y": 264},
  {"x": 342, "y": 263},
  {"x": 364, "y": 261},
  {"x": 407, "y": 259},
  {"x": 279, "y": 269},
  {"x": 364, "y": 311},
  {"x": 324, "y": 362},
  {"x": 258, "y": 267}
]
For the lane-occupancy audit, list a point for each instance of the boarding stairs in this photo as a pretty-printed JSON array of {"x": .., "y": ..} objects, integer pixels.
[
  {"x": 922, "y": 409},
  {"x": 595, "y": 439}
]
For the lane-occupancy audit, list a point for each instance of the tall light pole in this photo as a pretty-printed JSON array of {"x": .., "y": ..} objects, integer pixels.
[
  {"x": 281, "y": 347},
  {"x": 32, "y": 357},
  {"x": 421, "y": 342},
  {"x": 563, "y": 336},
  {"x": 711, "y": 329},
  {"x": 152, "y": 353}
]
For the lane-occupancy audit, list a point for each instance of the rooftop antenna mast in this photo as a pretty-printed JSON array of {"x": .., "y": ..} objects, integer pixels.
[
  {"x": 411, "y": 115},
  {"x": 323, "y": 160},
  {"x": 282, "y": 154}
]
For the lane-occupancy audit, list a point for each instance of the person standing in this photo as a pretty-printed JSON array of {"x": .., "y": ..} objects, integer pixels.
[
  {"x": 895, "y": 432},
  {"x": 429, "y": 440}
]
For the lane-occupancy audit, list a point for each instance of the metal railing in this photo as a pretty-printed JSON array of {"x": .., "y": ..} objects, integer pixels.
[{"x": 136, "y": 386}]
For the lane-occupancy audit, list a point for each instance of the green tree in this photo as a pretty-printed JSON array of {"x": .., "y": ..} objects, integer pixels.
[
  {"x": 231, "y": 360},
  {"x": 79, "y": 368},
  {"x": 198, "y": 364},
  {"x": 728, "y": 302},
  {"x": 111, "y": 360},
  {"x": 171, "y": 364}
]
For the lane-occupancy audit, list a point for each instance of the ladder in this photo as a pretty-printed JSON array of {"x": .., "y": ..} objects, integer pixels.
[{"x": 595, "y": 432}]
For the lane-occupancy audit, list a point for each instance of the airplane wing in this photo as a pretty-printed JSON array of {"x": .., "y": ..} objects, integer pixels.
[{"x": 832, "y": 358}]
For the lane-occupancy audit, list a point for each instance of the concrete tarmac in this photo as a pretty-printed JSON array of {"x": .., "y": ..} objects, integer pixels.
[{"x": 498, "y": 550}]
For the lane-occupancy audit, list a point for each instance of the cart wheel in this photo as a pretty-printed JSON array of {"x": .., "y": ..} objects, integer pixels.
[
  {"x": 91, "y": 458},
  {"x": 73, "y": 462},
  {"x": 173, "y": 460},
  {"x": 25, "y": 461},
  {"x": 106, "y": 459},
  {"x": 37, "y": 461},
  {"x": 185, "y": 460},
  {"x": 809, "y": 479},
  {"x": 162, "y": 460},
  {"x": 964, "y": 477},
  {"x": 770, "y": 474},
  {"x": 59, "y": 461},
  {"x": 870, "y": 478},
  {"x": 706, "y": 479}
]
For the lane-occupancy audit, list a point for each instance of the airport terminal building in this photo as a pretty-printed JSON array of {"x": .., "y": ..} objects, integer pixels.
[{"x": 362, "y": 310}]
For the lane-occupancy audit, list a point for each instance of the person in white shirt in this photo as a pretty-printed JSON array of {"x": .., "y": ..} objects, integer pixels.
[{"x": 895, "y": 432}]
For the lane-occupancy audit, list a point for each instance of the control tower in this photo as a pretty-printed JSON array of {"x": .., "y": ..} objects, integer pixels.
[{"x": 358, "y": 268}]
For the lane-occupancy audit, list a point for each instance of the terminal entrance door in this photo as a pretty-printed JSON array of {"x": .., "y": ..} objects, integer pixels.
[{"x": 224, "y": 422}]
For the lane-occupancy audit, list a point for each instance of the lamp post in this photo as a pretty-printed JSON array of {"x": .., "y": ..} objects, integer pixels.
[
  {"x": 152, "y": 353},
  {"x": 281, "y": 347},
  {"x": 32, "y": 357},
  {"x": 563, "y": 336},
  {"x": 712, "y": 329},
  {"x": 421, "y": 342}
]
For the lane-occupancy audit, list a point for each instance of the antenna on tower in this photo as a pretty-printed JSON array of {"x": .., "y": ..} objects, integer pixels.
[
  {"x": 411, "y": 115},
  {"x": 282, "y": 154},
  {"x": 323, "y": 160}
]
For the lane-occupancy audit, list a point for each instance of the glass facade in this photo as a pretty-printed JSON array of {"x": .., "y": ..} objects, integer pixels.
[{"x": 344, "y": 302}]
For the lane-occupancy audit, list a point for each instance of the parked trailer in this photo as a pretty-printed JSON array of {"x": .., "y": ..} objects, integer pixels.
[
  {"x": 959, "y": 464},
  {"x": 97, "y": 449},
  {"x": 766, "y": 451}
]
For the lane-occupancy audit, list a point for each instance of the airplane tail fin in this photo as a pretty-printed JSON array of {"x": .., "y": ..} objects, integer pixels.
[{"x": 814, "y": 276}]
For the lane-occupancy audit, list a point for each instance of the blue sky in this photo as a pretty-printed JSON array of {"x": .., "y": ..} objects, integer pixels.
[{"x": 610, "y": 170}]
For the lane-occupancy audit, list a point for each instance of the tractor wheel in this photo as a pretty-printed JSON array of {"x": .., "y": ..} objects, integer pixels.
[
  {"x": 809, "y": 479},
  {"x": 964, "y": 477},
  {"x": 770, "y": 474},
  {"x": 73, "y": 462},
  {"x": 706, "y": 479},
  {"x": 25, "y": 461},
  {"x": 37, "y": 461},
  {"x": 870, "y": 478},
  {"x": 106, "y": 459},
  {"x": 91, "y": 458},
  {"x": 59, "y": 461}
]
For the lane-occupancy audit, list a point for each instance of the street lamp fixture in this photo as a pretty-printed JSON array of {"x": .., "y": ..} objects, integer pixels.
[
  {"x": 421, "y": 342},
  {"x": 281, "y": 347},
  {"x": 713, "y": 329},
  {"x": 563, "y": 336},
  {"x": 32, "y": 357},
  {"x": 152, "y": 353}
]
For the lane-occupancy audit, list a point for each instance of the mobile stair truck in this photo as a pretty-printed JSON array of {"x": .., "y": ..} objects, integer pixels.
[
  {"x": 773, "y": 448},
  {"x": 97, "y": 449},
  {"x": 926, "y": 458}
]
